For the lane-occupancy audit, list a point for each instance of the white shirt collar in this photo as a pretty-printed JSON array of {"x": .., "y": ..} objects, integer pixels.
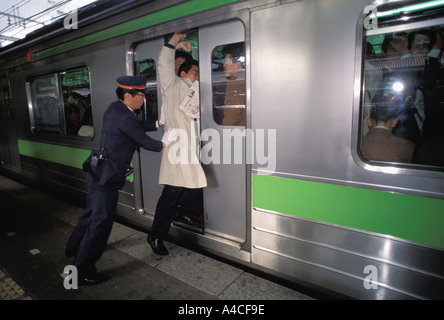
[{"x": 127, "y": 106}]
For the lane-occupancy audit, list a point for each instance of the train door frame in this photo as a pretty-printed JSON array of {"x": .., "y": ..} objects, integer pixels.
[
  {"x": 147, "y": 189},
  {"x": 9, "y": 155},
  {"x": 225, "y": 197},
  {"x": 237, "y": 247}
]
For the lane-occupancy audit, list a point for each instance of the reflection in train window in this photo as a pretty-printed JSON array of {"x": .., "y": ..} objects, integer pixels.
[
  {"x": 46, "y": 105},
  {"x": 147, "y": 68},
  {"x": 228, "y": 81},
  {"x": 402, "y": 110},
  {"x": 61, "y": 103}
]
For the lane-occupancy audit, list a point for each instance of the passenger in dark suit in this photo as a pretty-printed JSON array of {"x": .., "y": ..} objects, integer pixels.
[
  {"x": 107, "y": 170},
  {"x": 380, "y": 143}
]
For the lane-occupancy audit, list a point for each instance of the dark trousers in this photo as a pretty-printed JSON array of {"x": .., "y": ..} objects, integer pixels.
[
  {"x": 166, "y": 208},
  {"x": 88, "y": 240}
]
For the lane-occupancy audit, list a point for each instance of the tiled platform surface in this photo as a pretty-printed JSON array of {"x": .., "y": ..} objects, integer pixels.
[{"x": 34, "y": 227}]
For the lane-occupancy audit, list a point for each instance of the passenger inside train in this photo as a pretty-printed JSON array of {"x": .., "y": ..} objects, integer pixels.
[
  {"x": 406, "y": 71},
  {"x": 380, "y": 143},
  {"x": 229, "y": 84},
  {"x": 54, "y": 95},
  {"x": 73, "y": 124}
]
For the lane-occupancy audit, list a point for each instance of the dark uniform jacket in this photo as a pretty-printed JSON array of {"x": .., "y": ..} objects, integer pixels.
[{"x": 121, "y": 133}]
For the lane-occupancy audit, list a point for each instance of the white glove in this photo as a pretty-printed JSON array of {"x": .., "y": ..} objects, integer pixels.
[
  {"x": 169, "y": 136},
  {"x": 162, "y": 116}
]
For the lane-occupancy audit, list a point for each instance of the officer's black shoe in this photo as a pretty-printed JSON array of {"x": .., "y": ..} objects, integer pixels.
[
  {"x": 93, "y": 279},
  {"x": 157, "y": 246}
]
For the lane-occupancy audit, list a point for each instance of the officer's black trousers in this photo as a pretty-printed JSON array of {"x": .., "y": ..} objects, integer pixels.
[{"x": 88, "y": 240}]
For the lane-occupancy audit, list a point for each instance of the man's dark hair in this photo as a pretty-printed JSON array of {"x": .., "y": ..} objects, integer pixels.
[
  {"x": 186, "y": 66},
  {"x": 183, "y": 54},
  {"x": 382, "y": 113},
  {"x": 120, "y": 92}
]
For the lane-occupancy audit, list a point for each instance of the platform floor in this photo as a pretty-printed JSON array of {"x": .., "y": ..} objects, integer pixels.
[{"x": 34, "y": 227}]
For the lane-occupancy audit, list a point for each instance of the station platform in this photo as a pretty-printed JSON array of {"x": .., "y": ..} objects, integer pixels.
[{"x": 34, "y": 227}]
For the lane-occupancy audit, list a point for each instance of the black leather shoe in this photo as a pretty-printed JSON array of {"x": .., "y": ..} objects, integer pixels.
[
  {"x": 157, "y": 246},
  {"x": 190, "y": 221},
  {"x": 92, "y": 280}
]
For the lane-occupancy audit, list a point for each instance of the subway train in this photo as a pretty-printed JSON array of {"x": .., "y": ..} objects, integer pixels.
[{"x": 295, "y": 189}]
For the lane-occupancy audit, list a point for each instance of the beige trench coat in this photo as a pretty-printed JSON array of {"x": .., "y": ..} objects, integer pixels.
[{"x": 180, "y": 165}]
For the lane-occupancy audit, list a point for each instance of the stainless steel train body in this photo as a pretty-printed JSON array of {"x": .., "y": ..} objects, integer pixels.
[{"x": 289, "y": 192}]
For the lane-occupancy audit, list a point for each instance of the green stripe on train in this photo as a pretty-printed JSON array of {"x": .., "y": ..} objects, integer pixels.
[
  {"x": 168, "y": 14},
  {"x": 69, "y": 156},
  {"x": 413, "y": 218}
]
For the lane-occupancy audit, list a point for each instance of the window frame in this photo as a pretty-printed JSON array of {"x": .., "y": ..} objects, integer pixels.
[
  {"x": 150, "y": 107},
  {"x": 358, "y": 99},
  {"x": 57, "y": 75},
  {"x": 219, "y": 108}
]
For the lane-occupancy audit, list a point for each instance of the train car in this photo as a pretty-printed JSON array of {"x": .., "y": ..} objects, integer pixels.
[{"x": 293, "y": 189}]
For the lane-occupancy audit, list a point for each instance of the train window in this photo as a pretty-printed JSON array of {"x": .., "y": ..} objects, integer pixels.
[
  {"x": 228, "y": 82},
  {"x": 77, "y": 102},
  {"x": 61, "y": 103},
  {"x": 147, "y": 68},
  {"x": 403, "y": 91},
  {"x": 46, "y": 104}
]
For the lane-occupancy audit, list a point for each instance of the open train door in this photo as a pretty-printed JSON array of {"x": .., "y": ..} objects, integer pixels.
[
  {"x": 223, "y": 131},
  {"x": 225, "y": 198},
  {"x": 145, "y": 63}
]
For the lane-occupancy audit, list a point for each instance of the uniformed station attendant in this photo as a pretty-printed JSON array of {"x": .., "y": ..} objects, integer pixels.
[{"x": 107, "y": 169}]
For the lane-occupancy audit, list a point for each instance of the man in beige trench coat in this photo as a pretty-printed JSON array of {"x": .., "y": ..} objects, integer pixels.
[{"x": 180, "y": 169}]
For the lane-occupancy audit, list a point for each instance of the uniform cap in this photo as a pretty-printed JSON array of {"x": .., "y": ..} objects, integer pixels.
[{"x": 131, "y": 82}]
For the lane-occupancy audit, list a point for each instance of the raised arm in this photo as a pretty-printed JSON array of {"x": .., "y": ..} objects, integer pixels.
[{"x": 165, "y": 63}]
